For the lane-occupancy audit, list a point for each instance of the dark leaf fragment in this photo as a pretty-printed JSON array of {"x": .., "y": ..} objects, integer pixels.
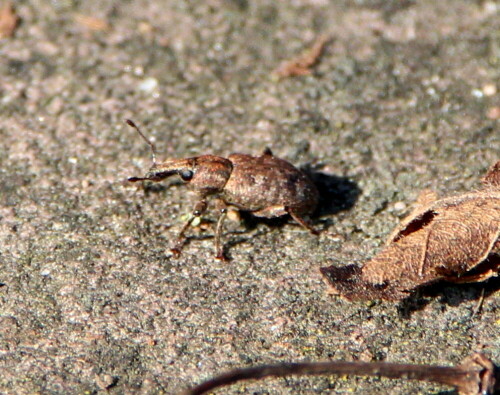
[{"x": 454, "y": 239}]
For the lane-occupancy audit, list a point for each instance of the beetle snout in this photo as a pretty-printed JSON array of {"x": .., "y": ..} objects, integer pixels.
[{"x": 154, "y": 174}]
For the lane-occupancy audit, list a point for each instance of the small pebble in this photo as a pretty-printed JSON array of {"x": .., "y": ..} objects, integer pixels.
[
  {"x": 233, "y": 215},
  {"x": 493, "y": 113},
  {"x": 489, "y": 89},
  {"x": 148, "y": 85},
  {"x": 399, "y": 206}
]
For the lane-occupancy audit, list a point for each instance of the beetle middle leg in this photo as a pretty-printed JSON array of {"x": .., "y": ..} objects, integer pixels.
[
  {"x": 219, "y": 247},
  {"x": 198, "y": 210}
]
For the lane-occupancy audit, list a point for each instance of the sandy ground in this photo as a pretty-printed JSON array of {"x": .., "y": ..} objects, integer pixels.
[{"x": 91, "y": 300}]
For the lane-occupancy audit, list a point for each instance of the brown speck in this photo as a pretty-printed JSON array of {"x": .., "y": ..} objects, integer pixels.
[
  {"x": 493, "y": 113},
  {"x": 91, "y": 23},
  {"x": 302, "y": 64},
  {"x": 8, "y": 20}
]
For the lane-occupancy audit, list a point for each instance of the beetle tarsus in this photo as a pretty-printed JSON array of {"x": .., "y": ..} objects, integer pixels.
[
  {"x": 222, "y": 257},
  {"x": 175, "y": 252}
]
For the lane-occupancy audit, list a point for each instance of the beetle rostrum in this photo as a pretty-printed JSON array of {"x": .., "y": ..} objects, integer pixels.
[{"x": 265, "y": 186}]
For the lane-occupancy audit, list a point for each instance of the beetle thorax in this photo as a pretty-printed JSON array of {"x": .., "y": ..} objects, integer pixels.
[{"x": 210, "y": 173}]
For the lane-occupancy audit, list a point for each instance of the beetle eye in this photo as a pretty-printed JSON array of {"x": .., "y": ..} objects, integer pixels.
[{"x": 186, "y": 175}]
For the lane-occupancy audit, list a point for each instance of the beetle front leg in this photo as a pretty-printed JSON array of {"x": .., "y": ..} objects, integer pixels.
[
  {"x": 219, "y": 247},
  {"x": 198, "y": 210}
]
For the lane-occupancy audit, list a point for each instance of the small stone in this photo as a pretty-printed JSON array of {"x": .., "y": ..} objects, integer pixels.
[
  {"x": 233, "y": 215},
  {"x": 148, "y": 85},
  {"x": 478, "y": 93},
  {"x": 399, "y": 206},
  {"x": 493, "y": 113},
  {"x": 489, "y": 89}
]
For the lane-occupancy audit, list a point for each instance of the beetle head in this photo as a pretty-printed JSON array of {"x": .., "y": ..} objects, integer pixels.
[{"x": 206, "y": 173}]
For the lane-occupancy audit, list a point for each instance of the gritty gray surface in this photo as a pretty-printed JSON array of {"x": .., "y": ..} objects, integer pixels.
[{"x": 90, "y": 298}]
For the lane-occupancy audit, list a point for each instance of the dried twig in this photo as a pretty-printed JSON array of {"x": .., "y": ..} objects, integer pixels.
[
  {"x": 302, "y": 64},
  {"x": 475, "y": 376}
]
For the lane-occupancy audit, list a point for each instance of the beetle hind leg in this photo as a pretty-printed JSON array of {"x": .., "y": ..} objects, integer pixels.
[{"x": 304, "y": 222}]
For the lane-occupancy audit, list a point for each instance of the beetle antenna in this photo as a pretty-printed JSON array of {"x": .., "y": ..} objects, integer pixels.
[{"x": 153, "y": 149}]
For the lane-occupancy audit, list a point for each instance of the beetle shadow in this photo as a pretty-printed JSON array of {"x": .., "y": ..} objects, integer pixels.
[{"x": 336, "y": 193}]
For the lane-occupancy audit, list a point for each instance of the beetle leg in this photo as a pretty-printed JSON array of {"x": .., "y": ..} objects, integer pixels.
[
  {"x": 302, "y": 221},
  {"x": 219, "y": 247},
  {"x": 198, "y": 210}
]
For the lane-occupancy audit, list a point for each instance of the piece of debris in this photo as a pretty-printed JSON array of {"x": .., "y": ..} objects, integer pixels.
[
  {"x": 302, "y": 64},
  {"x": 476, "y": 375},
  {"x": 493, "y": 112},
  {"x": 453, "y": 239},
  {"x": 8, "y": 20},
  {"x": 91, "y": 23}
]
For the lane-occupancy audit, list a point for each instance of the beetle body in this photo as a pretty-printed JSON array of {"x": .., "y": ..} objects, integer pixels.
[
  {"x": 264, "y": 185},
  {"x": 269, "y": 187}
]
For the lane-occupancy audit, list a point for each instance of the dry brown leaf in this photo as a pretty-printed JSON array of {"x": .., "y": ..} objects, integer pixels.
[
  {"x": 454, "y": 239},
  {"x": 8, "y": 20},
  {"x": 91, "y": 22},
  {"x": 302, "y": 64}
]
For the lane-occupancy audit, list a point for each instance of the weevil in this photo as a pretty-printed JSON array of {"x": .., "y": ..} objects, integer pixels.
[{"x": 265, "y": 186}]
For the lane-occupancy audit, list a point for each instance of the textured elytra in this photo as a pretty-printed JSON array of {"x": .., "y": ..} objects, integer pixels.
[
  {"x": 267, "y": 186},
  {"x": 454, "y": 239}
]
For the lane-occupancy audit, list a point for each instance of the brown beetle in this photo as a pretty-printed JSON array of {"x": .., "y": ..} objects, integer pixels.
[{"x": 263, "y": 185}]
